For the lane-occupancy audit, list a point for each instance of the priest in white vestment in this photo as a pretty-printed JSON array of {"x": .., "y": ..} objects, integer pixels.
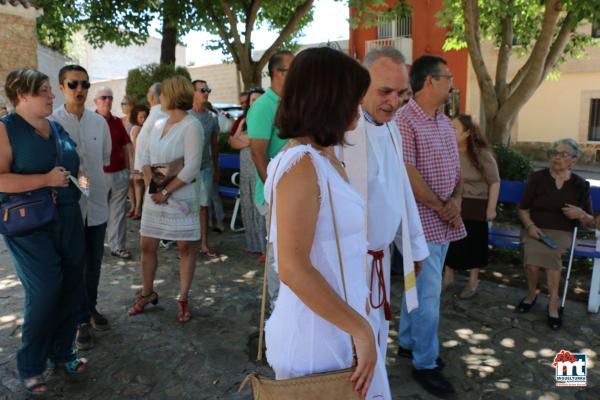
[{"x": 374, "y": 163}]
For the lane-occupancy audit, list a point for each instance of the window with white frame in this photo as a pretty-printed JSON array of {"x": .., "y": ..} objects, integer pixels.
[{"x": 594, "y": 121}]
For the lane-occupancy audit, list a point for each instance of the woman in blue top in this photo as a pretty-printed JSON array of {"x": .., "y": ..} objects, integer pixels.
[{"x": 49, "y": 259}]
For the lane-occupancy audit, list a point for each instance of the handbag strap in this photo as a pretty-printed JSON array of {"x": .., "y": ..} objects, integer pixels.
[
  {"x": 263, "y": 300},
  {"x": 341, "y": 263},
  {"x": 57, "y": 143},
  {"x": 266, "y": 272}
]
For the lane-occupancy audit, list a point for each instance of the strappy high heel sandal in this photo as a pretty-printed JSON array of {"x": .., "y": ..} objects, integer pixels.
[
  {"x": 142, "y": 301},
  {"x": 183, "y": 316}
]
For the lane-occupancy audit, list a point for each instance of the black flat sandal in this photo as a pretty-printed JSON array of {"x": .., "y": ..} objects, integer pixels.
[{"x": 523, "y": 307}]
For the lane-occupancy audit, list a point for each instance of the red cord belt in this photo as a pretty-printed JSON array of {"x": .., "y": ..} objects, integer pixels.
[{"x": 377, "y": 268}]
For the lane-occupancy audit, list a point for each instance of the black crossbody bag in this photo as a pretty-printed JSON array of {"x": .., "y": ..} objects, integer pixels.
[{"x": 21, "y": 213}]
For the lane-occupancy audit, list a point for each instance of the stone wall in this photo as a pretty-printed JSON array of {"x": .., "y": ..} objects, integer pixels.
[
  {"x": 18, "y": 40},
  {"x": 222, "y": 78}
]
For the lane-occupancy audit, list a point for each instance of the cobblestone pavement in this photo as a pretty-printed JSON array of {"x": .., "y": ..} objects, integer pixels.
[{"x": 490, "y": 352}]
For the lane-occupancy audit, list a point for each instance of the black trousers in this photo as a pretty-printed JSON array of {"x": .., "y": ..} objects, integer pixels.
[{"x": 94, "y": 251}]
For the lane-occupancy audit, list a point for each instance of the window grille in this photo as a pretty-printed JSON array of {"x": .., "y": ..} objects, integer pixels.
[
  {"x": 384, "y": 29},
  {"x": 404, "y": 27},
  {"x": 401, "y": 27}
]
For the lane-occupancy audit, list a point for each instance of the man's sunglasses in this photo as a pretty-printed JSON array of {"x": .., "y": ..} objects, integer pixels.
[
  {"x": 256, "y": 90},
  {"x": 103, "y": 98},
  {"x": 74, "y": 83},
  {"x": 205, "y": 90}
]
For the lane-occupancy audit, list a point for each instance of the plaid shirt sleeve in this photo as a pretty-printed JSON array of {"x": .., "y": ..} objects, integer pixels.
[{"x": 409, "y": 146}]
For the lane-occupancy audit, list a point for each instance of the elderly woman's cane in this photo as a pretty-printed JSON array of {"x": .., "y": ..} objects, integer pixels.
[
  {"x": 584, "y": 197},
  {"x": 571, "y": 253}
]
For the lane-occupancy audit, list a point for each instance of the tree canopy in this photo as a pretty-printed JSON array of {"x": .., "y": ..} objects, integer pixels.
[
  {"x": 232, "y": 21},
  {"x": 140, "y": 79},
  {"x": 543, "y": 32}
]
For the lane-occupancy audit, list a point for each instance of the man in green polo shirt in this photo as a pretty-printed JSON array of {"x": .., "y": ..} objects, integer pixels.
[{"x": 265, "y": 142}]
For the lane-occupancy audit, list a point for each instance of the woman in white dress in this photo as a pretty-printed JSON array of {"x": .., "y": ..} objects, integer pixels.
[
  {"x": 311, "y": 327},
  {"x": 171, "y": 213}
]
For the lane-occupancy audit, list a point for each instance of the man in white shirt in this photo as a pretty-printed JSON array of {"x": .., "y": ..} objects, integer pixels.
[
  {"x": 91, "y": 134},
  {"x": 153, "y": 98},
  {"x": 376, "y": 169}
]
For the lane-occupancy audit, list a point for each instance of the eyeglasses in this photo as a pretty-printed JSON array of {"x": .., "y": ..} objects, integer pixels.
[
  {"x": 205, "y": 90},
  {"x": 123, "y": 104},
  {"x": 447, "y": 76},
  {"x": 561, "y": 154},
  {"x": 72, "y": 84},
  {"x": 104, "y": 98}
]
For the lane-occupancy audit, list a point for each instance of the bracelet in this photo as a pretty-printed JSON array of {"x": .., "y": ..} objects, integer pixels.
[{"x": 529, "y": 226}]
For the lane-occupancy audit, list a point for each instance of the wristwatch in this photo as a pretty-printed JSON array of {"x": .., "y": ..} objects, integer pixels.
[{"x": 165, "y": 193}]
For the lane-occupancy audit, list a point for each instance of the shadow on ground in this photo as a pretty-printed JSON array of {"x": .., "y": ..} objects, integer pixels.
[{"x": 490, "y": 352}]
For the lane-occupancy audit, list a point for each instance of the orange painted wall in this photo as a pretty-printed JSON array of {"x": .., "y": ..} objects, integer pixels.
[
  {"x": 428, "y": 38},
  {"x": 358, "y": 37}
]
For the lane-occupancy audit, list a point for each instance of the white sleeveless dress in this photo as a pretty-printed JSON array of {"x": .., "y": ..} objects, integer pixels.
[{"x": 299, "y": 342}]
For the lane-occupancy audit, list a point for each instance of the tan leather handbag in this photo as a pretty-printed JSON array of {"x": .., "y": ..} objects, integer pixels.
[
  {"x": 164, "y": 173},
  {"x": 333, "y": 385}
]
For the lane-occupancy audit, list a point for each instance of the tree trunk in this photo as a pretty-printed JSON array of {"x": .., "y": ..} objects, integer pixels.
[
  {"x": 169, "y": 42},
  {"x": 498, "y": 130},
  {"x": 251, "y": 75}
]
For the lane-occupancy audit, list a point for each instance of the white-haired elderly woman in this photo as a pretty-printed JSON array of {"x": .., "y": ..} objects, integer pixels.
[{"x": 555, "y": 200}]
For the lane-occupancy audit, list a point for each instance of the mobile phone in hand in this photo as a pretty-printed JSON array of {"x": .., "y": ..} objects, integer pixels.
[{"x": 548, "y": 242}]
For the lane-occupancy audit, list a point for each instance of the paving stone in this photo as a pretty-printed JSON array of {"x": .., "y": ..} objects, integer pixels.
[{"x": 490, "y": 352}]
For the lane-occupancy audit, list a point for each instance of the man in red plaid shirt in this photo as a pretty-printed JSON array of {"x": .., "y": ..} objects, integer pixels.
[{"x": 433, "y": 166}]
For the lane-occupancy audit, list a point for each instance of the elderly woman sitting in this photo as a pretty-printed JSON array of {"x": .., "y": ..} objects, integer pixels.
[{"x": 555, "y": 200}]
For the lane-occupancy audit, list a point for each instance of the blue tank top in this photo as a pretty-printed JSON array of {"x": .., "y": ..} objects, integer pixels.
[{"x": 32, "y": 154}]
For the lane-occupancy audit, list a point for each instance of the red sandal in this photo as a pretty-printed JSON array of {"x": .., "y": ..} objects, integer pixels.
[
  {"x": 142, "y": 301},
  {"x": 183, "y": 316}
]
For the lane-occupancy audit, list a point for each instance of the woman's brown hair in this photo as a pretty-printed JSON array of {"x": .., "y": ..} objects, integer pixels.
[
  {"x": 476, "y": 142},
  {"x": 23, "y": 81},
  {"x": 322, "y": 91},
  {"x": 135, "y": 110}
]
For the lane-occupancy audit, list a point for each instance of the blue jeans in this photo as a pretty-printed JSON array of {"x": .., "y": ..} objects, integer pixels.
[
  {"x": 49, "y": 263},
  {"x": 419, "y": 329},
  {"x": 94, "y": 251}
]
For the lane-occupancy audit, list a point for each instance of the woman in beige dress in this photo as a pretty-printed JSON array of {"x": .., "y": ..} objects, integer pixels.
[{"x": 481, "y": 185}]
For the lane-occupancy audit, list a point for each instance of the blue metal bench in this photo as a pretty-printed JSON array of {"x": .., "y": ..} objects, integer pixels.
[
  {"x": 232, "y": 162},
  {"x": 512, "y": 192}
]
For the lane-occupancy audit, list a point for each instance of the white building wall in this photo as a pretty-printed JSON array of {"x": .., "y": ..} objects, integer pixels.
[
  {"x": 50, "y": 62},
  {"x": 222, "y": 78},
  {"x": 113, "y": 62}
]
